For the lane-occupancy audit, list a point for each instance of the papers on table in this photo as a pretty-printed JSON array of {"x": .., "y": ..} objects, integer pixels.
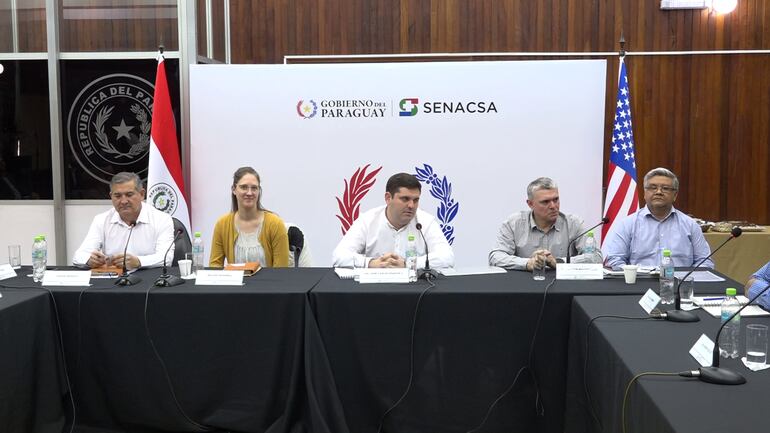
[
  {"x": 642, "y": 272},
  {"x": 471, "y": 270},
  {"x": 700, "y": 276},
  {"x": 713, "y": 306},
  {"x": 66, "y": 278},
  {"x": 6, "y": 271}
]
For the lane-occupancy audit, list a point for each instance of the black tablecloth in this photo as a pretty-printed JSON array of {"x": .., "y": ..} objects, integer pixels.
[
  {"x": 473, "y": 334},
  {"x": 620, "y": 349},
  {"x": 31, "y": 384},
  {"x": 235, "y": 355}
]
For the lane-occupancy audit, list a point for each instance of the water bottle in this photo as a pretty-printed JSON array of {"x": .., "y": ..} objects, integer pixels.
[
  {"x": 411, "y": 257},
  {"x": 589, "y": 249},
  {"x": 197, "y": 250},
  {"x": 667, "y": 278},
  {"x": 39, "y": 258},
  {"x": 728, "y": 340}
]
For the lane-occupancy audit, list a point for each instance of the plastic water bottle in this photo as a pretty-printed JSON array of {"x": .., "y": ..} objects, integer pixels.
[
  {"x": 411, "y": 257},
  {"x": 667, "y": 278},
  {"x": 39, "y": 258},
  {"x": 589, "y": 249},
  {"x": 197, "y": 250},
  {"x": 728, "y": 339}
]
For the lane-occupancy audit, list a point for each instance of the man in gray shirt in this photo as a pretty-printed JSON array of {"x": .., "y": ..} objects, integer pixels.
[{"x": 539, "y": 236}]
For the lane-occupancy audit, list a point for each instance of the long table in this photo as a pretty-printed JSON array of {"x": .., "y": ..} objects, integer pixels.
[
  {"x": 299, "y": 350},
  {"x": 619, "y": 349},
  {"x": 32, "y": 385}
]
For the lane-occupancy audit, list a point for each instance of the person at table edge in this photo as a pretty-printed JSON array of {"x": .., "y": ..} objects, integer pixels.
[
  {"x": 105, "y": 242},
  {"x": 757, "y": 282},
  {"x": 641, "y": 237},
  {"x": 378, "y": 238}
]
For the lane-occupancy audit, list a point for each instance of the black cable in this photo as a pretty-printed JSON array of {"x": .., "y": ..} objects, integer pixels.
[
  {"x": 163, "y": 365},
  {"x": 63, "y": 358},
  {"x": 411, "y": 355},
  {"x": 585, "y": 360},
  {"x": 628, "y": 388},
  {"x": 538, "y": 405},
  {"x": 80, "y": 329}
]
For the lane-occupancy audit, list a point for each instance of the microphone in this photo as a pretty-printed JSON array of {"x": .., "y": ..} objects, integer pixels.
[
  {"x": 427, "y": 273},
  {"x": 166, "y": 280},
  {"x": 605, "y": 220},
  {"x": 126, "y": 279},
  {"x": 677, "y": 315},
  {"x": 715, "y": 374}
]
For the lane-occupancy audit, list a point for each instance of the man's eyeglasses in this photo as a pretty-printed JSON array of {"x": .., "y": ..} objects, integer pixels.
[
  {"x": 664, "y": 188},
  {"x": 247, "y": 188}
]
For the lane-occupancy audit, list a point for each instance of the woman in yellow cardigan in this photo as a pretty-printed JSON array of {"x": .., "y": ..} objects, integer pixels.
[{"x": 249, "y": 233}]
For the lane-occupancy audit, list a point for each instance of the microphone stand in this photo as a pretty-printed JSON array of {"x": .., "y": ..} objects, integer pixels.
[
  {"x": 127, "y": 279},
  {"x": 723, "y": 376},
  {"x": 677, "y": 314},
  {"x": 427, "y": 273},
  {"x": 165, "y": 279},
  {"x": 605, "y": 220}
]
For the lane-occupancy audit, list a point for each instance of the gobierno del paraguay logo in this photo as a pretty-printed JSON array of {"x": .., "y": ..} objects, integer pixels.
[
  {"x": 108, "y": 125},
  {"x": 307, "y": 110}
]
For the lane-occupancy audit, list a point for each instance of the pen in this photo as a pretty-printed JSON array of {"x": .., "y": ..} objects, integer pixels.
[{"x": 714, "y": 299}]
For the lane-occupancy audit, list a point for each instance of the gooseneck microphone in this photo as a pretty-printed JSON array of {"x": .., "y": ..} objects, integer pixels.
[
  {"x": 427, "y": 273},
  {"x": 715, "y": 374},
  {"x": 677, "y": 315},
  {"x": 165, "y": 279},
  {"x": 605, "y": 220},
  {"x": 126, "y": 279}
]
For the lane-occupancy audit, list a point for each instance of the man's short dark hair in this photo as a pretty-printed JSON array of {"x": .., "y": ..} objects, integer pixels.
[{"x": 402, "y": 180}]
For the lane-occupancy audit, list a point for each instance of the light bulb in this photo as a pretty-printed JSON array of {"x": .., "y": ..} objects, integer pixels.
[{"x": 724, "y": 6}]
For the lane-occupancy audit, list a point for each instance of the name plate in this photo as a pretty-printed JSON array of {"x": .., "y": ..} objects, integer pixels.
[
  {"x": 649, "y": 301},
  {"x": 6, "y": 271},
  {"x": 383, "y": 275},
  {"x": 579, "y": 271},
  {"x": 218, "y": 278},
  {"x": 66, "y": 278},
  {"x": 703, "y": 351}
]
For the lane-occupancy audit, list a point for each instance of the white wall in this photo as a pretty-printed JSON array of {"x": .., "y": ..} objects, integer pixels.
[
  {"x": 79, "y": 217},
  {"x": 20, "y": 223}
]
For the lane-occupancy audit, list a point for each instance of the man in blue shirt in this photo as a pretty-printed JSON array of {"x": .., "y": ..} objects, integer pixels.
[
  {"x": 757, "y": 283},
  {"x": 641, "y": 237}
]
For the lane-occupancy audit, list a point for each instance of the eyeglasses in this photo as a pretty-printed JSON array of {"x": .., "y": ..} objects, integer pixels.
[
  {"x": 664, "y": 188},
  {"x": 247, "y": 188}
]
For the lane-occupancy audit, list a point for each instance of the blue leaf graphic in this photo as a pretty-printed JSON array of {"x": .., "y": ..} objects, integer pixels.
[
  {"x": 428, "y": 168},
  {"x": 436, "y": 194},
  {"x": 441, "y": 212},
  {"x": 452, "y": 212},
  {"x": 445, "y": 186},
  {"x": 422, "y": 174}
]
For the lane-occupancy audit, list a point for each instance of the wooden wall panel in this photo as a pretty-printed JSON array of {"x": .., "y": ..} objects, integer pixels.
[{"x": 706, "y": 117}]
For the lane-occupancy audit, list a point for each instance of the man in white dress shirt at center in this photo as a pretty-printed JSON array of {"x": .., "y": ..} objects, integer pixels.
[{"x": 378, "y": 238}]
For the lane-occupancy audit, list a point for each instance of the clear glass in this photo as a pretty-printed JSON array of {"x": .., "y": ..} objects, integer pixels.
[
  {"x": 687, "y": 290},
  {"x": 14, "y": 256},
  {"x": 756, "y": 345}
]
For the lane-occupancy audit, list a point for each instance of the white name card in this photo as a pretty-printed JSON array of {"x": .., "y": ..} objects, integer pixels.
[
  {"x": 6, "y": 271},
  {"x": 383, "y": 275},
  {"x": 218, "y": 278},
  {"x": 703, "y": 351},
  {"x": 579, "y": 271},
  {"x": 649, "y": 301},
  {"x": 66, "y": 278}
]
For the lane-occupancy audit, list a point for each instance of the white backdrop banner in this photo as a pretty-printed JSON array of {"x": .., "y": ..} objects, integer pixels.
[{"x": 325, "y": 139}]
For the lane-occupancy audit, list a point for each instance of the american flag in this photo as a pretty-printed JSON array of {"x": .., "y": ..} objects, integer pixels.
[{"x": 622, "y": 198}]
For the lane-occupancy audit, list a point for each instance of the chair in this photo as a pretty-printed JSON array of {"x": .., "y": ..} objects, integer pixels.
[
  {"x": 296, "y": 242},
  {"x": 183, "y": 244}
]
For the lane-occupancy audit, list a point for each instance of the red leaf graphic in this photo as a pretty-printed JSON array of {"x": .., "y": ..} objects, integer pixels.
[{"x": 356, "y": 189}]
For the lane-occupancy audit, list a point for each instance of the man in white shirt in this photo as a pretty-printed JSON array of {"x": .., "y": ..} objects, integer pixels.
[
  {"x": 105, "y": 242},
  {"x": 378, "y": 238}
]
